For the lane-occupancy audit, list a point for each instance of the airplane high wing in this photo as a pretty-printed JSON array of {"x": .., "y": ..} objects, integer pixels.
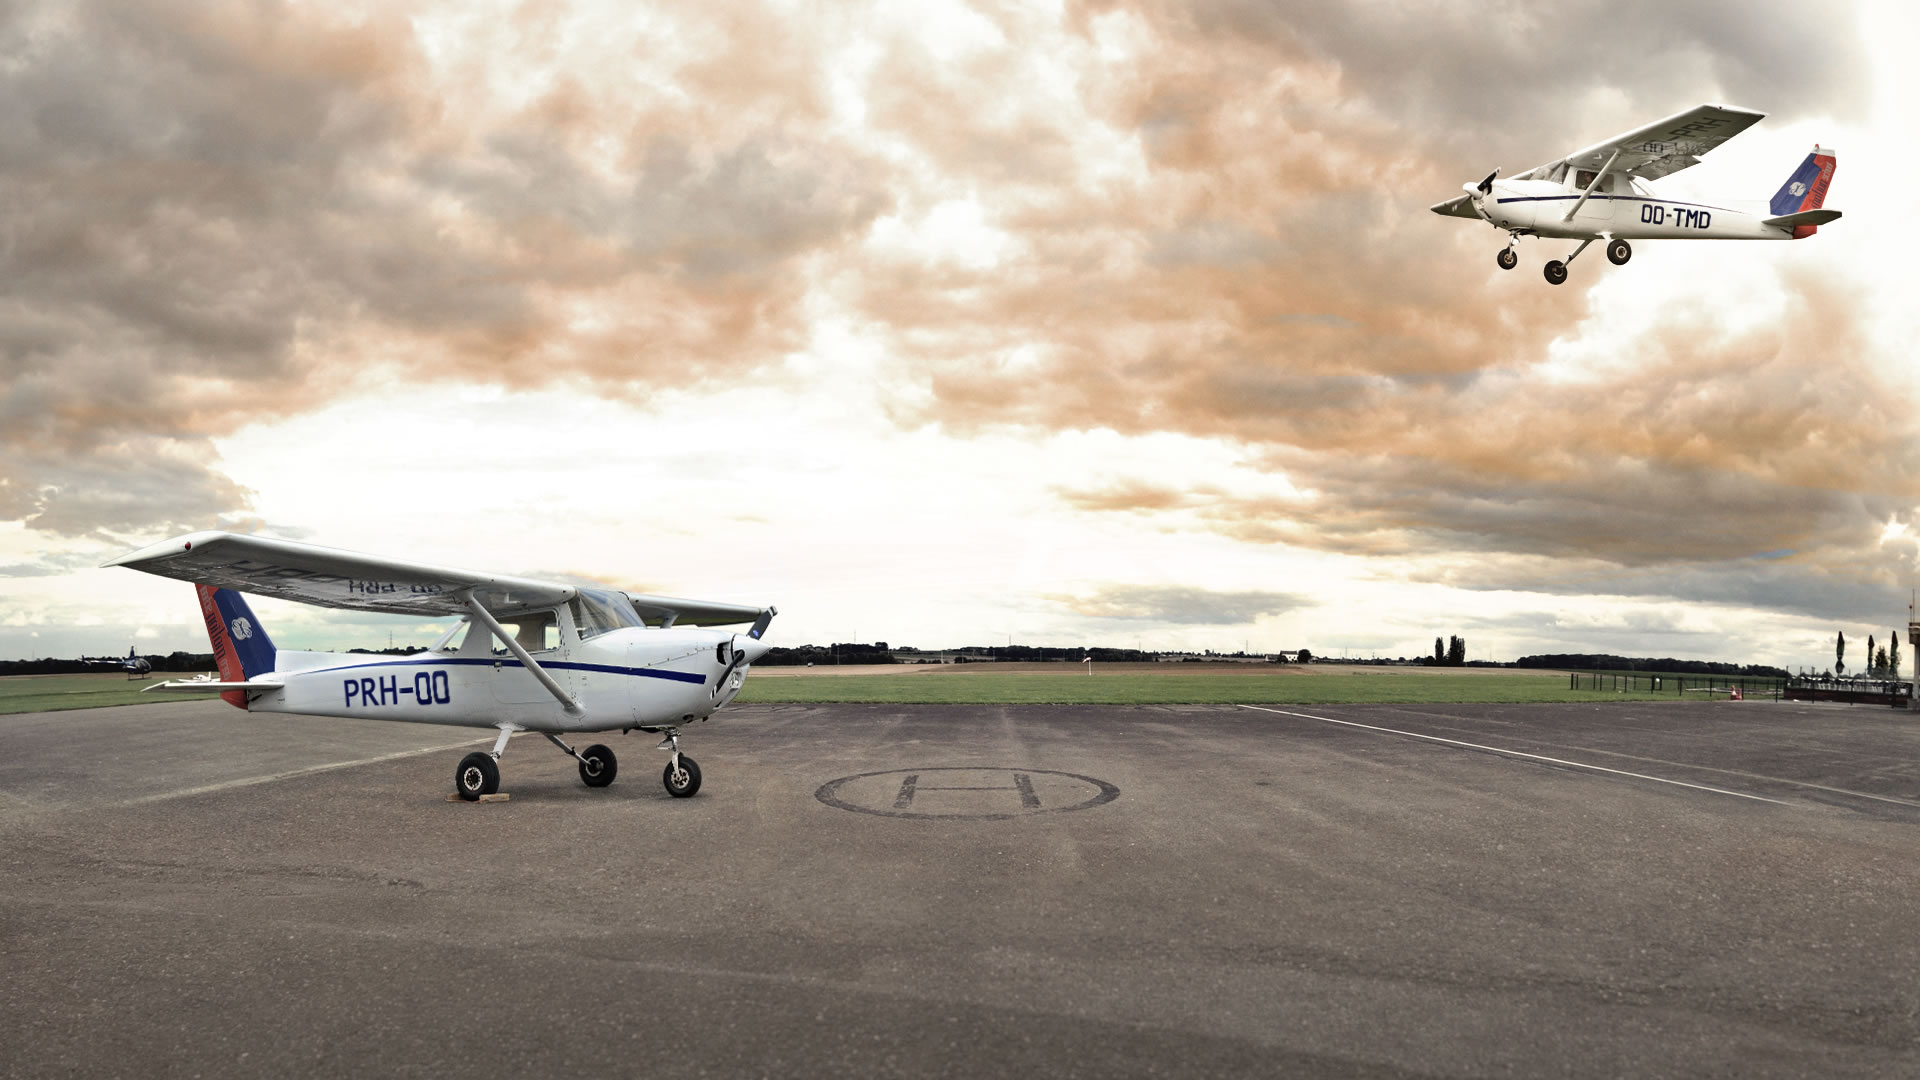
[
  {"x": 331, "y": 577},
  {"x": 1599, "y": 192},
  {"x": 528, "y": 655},
  {"x": 1661, "y": 148}
]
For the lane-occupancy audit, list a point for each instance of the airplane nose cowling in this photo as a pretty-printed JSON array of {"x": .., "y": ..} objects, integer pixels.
[{"x": 749, "y": 649}]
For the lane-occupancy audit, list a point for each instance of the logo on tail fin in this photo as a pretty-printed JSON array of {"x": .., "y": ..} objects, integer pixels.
[
  {"x": 1806, "y": 189},
  {"x": 241, "y": 648}
]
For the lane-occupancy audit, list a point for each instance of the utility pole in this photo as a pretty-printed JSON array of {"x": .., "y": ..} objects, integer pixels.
[{"x": 1913, "y": 642}]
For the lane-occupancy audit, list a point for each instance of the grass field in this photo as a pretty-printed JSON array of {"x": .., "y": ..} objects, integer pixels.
[
  {"x": 51, "y": 693},
  {"x": 1072, "y": 686},
  {"x": 1013, "y": 684}
]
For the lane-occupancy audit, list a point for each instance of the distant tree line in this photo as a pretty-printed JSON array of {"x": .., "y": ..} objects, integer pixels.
[
  {"x": 879, "y": 652},
  {"x": 838, "y": 653},
  {"x": 179, "y": 661},
  {"x": 1665, "y": 664}
]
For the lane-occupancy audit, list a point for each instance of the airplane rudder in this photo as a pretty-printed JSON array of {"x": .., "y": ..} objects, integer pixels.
[
  {"x": 224, "y": 657},
  {"x": 1806, "y": 188},
  {"x": 1826, "y": 163},
  {"x": 251, "y": 646}
]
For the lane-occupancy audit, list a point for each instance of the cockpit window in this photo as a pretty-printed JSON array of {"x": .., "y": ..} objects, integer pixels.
[{"x": 597, "y": 611}]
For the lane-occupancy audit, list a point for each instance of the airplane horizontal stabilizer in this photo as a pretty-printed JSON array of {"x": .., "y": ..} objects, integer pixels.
[
  {"x": 1804, "y": 217},
  {"x": 209, "y": 684}
]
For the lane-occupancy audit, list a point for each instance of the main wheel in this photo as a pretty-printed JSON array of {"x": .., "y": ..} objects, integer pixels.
[
  {"x": 597, "y": 766},
  {"x": 1618, "y": 252},
  {"x": 682, "y": 777},
  {"x": 1508, "y": 258},
  {"x": 477, "y": 775},
  {"x": 1556, "y": 272}
]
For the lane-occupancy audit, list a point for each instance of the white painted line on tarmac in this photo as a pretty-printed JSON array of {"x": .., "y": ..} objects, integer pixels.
[
  {"x": 1743, "y": 774},
  {"x": 227, "y": 785},
  {"x": 1518, "y": 754}
]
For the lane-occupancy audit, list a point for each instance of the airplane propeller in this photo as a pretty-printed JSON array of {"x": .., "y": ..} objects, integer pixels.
[
  {"x": 739, "y": 660},
  {"x": 1484, "y": 187}
]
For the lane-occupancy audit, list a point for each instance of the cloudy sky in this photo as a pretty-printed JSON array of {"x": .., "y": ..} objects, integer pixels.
[{"x": 949, "y": 323}]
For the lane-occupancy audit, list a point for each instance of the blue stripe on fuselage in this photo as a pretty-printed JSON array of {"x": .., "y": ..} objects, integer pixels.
[
  {"x": 456, "y": 661},
  {"x": 1613, "y": 198}
]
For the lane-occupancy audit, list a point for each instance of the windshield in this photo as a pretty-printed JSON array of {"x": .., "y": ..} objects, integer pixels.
[{"x": 596, "y": 611}]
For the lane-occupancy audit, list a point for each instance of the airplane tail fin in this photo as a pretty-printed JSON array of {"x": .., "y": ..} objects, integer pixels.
[
  {"x": 1806, "y": 189},
  {"x": 241, "y": 647}
]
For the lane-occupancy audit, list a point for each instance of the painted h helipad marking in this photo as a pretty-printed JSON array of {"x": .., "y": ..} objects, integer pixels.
[
  {"x": 877, "y": 793},
  {"x": 911, "y": 786},
  {"x": 1504, "y": 752}
]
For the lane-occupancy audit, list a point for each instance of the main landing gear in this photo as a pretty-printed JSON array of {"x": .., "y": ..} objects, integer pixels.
[
  {"x": 479, "y": 773},
  {"x": 1618, "y": 252}
]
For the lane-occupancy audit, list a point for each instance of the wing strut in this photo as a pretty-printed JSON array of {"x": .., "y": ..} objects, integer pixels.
[
  {"x": 487, "y": 620},
  {"x": 1597, "y": 177}
]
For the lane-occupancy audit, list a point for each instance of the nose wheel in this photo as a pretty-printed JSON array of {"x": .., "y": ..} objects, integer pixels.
[
  {"x": 682, "y": 776},
  {"x": 1509, "y": 258}
]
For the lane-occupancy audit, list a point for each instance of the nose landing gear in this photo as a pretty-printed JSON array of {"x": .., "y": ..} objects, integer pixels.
[
  {"x": 682, "y": 775},
  {"x": 1509, "y": 258}
]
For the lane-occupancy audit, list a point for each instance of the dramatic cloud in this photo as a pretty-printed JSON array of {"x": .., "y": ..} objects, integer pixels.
[
  {"x": 1761, "y": 469},
  {"x": 1180, "y": 605},
  {"x": 1203, "y": 223},
  {"x": 1267, "y": 273},
  {"x": 214, "y": 214}
]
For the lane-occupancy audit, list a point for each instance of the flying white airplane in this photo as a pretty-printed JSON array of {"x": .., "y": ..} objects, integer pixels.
[
  {"x": 1600, "y": 193},
  {"x": 527, "y": 655}
]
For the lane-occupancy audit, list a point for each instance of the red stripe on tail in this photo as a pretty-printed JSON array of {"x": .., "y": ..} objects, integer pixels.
[{"x": 223, "y": 655}]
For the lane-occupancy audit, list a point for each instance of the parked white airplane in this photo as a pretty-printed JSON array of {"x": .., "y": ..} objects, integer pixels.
[
  {"x": 1600, "y": 193},
  {"x": 527, "y": 655}
]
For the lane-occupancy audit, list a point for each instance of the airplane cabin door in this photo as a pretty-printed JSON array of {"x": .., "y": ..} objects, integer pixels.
[
  {"x": 1598, "y": 210},
  {"x": 539, "y": 634}
]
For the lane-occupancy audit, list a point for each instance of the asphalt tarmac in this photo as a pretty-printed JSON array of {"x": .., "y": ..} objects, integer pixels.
[{"x": 927, "y": 891}]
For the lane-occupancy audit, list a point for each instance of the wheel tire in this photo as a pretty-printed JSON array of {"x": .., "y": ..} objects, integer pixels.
[
  {"x": 1618, "y": 252},
  {"x": 1508, "y": 259},
  {"x": 684, "y": 785},
  {"x": 477, "y": 775},
  {"x": 597, "y": 766},
  {"x": 1556, "y": 272}
]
